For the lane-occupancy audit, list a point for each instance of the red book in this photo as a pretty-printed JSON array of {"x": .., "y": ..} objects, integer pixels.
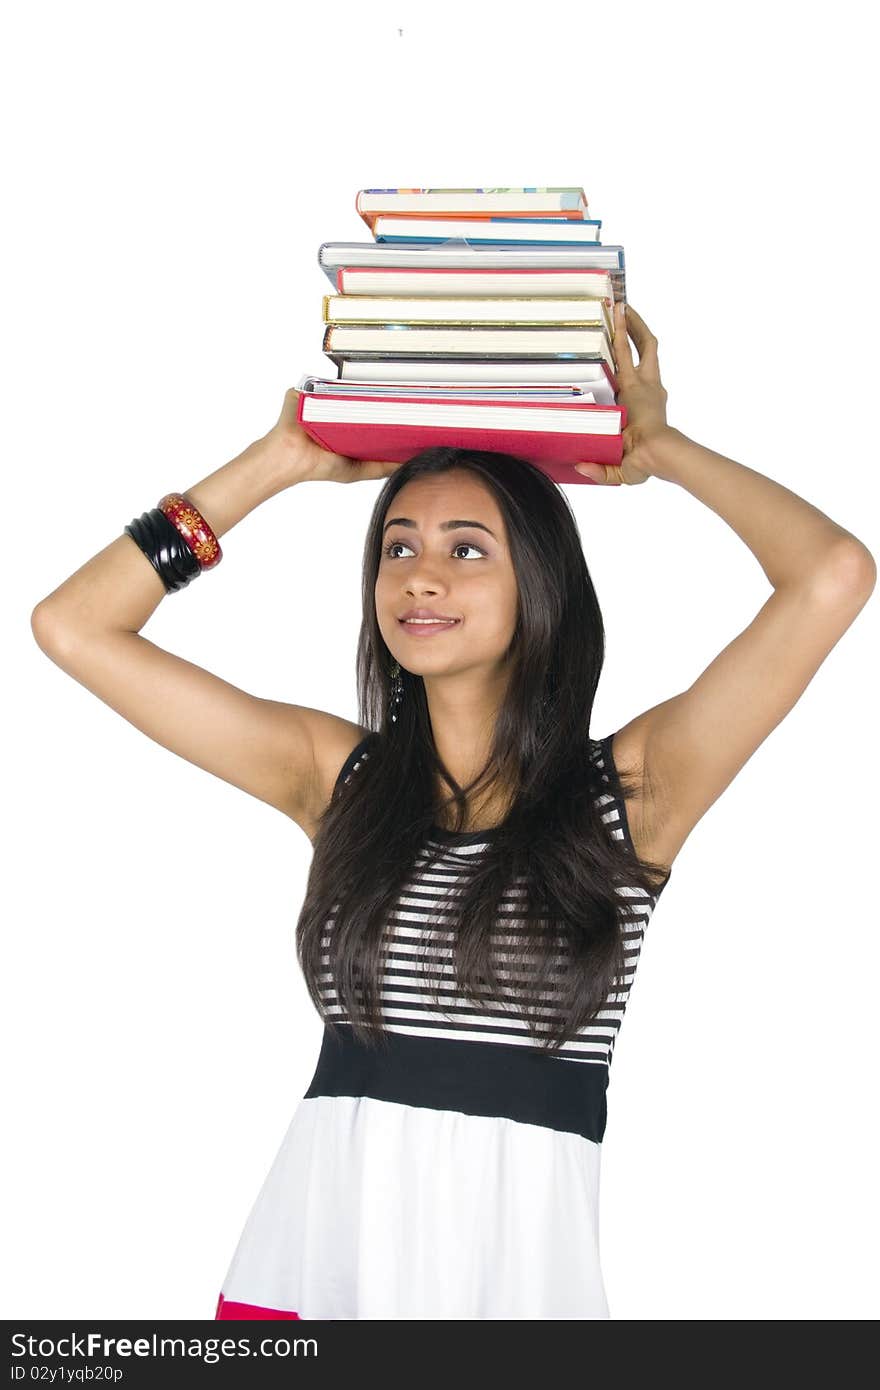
[{"x": 358, "y": 431}]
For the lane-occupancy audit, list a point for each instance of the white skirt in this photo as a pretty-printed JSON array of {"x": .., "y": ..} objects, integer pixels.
[{"x": 378, "y": 1209}]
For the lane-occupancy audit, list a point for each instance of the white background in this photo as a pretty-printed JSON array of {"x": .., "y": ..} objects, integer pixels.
[{"x": 170, "y": 170}]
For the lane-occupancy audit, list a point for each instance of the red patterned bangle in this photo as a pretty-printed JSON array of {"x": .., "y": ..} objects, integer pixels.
[{"x": 193, "y": 527}]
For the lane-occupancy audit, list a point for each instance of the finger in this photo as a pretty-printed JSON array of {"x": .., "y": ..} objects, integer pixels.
[
  {"x": 368, "y": 469},
  {"x": 605, "y": 473},
  {"x": 644, "y": 339},
  {"x": 622, "y": 350}
]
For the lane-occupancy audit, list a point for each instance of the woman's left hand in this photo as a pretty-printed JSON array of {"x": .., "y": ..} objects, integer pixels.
[{"x": 643, "y": 395}]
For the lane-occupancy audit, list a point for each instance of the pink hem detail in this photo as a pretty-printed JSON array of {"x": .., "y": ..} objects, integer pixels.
[{"x": 229, "y": 1309}]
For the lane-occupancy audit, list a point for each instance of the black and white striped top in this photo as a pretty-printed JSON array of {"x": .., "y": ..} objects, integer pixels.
[{"x": 418, "y": 954}]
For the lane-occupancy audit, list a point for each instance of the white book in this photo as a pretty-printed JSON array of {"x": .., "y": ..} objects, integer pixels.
[
  {"x": 434, "y": 371},
  {"x": 342, "y": 340},
  {"x": 491, "y": 309},
  {"x": 486, "y": 392},
  {"x": 439, "y": 282}
]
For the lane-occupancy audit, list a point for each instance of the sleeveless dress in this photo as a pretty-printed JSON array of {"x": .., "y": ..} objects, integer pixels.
[{"x": 455, "y": 1175}]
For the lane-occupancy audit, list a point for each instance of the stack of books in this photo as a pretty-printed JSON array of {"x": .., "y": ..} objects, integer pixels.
[{"x": 475, "y": 318}]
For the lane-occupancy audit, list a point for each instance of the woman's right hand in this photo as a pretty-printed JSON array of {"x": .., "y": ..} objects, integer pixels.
[{"x": 311, "y": 462}]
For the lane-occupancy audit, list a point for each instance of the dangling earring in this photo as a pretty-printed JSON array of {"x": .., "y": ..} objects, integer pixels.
[{"x": 396, "y": 690}]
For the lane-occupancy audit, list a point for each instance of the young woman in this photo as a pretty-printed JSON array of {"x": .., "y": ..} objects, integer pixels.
[{"x": 483, "y": 868}]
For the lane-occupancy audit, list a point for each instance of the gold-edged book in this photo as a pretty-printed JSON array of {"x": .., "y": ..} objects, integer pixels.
[{"x": 576, "y": 311}]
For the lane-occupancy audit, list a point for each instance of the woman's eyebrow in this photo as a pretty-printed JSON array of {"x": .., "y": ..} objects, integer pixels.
[{"x": 444, "y": 525}]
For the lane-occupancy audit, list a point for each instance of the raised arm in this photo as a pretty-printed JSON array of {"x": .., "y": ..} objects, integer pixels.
[
  {"x": 285, "y": 755},
  {"x": 690, "y": 747}
]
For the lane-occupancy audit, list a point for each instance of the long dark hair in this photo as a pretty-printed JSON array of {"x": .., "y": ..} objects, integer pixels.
[{"x": 553, "y": 844}]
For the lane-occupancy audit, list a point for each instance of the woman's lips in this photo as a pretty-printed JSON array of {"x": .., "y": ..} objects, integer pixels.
[{"x": 425, "y": 629}]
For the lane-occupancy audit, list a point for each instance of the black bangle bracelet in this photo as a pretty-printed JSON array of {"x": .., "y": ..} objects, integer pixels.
[{"x": 173, "y": 559}]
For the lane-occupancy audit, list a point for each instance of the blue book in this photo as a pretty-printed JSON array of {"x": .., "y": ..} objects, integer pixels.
[{"x": 493, "y": 231}]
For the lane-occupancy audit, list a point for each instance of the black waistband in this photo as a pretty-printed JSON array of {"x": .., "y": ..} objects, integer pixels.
[{"x": 477, "y": 1078}]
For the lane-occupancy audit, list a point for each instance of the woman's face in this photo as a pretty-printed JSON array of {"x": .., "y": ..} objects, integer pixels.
[{"x": 444, "y": 549}]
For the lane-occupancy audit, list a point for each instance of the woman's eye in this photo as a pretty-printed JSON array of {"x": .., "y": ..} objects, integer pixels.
[{"x": 462, "y": 545}]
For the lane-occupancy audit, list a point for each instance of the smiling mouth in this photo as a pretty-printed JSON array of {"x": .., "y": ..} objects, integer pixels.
[{"x": 428, "y": 623}]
